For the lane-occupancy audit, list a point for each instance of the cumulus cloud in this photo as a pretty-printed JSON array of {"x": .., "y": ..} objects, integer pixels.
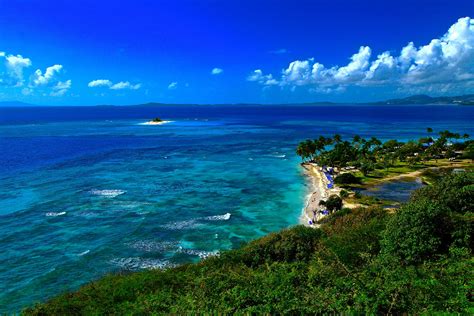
[
  {"x": 172, "y": 85},
  {"x": 125, "y": 85},
  {"x": 50, "y": 75},
  {"x": 114, "y": 86},
  {"x": 14, "y": 68},
  {"x": 258, "y": 76},
  {"x": 217, "y": 71},
  {"x": 50, "y": 80},
  {"x": 444, "y": 61},
  {"x": 100, "y": 83}
]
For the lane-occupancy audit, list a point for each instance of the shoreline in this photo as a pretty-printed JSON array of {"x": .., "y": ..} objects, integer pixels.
[{"x": 319, "y": 191}]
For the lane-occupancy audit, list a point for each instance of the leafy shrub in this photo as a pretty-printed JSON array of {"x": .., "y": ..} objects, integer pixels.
[
  {"x": 296, "y": 244},
  {"x": 416, "y": 232},
  {"x": 436, "y": 218},
  {"x": 346, "y": 178},
  {"x": 333, "y": 203},
  {"x": 344, "y": 194}
]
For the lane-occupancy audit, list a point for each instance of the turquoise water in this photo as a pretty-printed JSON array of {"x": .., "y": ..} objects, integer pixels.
[{"x": 87, "y": 191}]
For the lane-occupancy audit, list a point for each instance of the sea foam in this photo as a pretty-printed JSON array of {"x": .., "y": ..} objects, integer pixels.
[
  {"x": 84, "y": 253},
  {"x": 153, "y": 246},
  {"x": 137, "y": 263},
  {"x": 55, "y": 214},
  {"x": 224, "y": 217},
  {"x": 108, "y": 193},
  {"x": 192, "y": 223},
  {"x": 200, "y": 253}
]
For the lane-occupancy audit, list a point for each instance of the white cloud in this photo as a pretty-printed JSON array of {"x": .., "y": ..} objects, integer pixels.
[
  {"x": 122, "y": 85},
  {"x": 12, "y": 73},
  {"x": 217, "y": 71},
  {"x": 14, "y": 67},
  {"x": 258, "y": 76},
  {"x": 173, "y": 85},
  {"x": 51, "y": 80},
  {"x": 40, "y": 79},
  {"x": 100, "y": 83},
  {"x": 444, "y": 61},
  {"x": 125, "y": 85},
  {"x": 61, "y": 88},
  {"x": 355, "y": 70}
]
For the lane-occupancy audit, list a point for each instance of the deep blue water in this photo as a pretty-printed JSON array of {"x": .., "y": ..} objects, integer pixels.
[{"x": 88, "y": 190}]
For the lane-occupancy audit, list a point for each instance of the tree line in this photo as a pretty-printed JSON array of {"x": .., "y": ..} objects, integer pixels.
[{"x": 370, "y": 154}]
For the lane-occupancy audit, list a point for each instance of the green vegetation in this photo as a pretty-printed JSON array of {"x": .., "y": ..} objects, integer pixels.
[
  {"x": 346, "y": 178},
  {"x": 332, "y": 204},
  {"x": 367, "y": 200},
  {"x": 344, "y": 194},
  {"x": 469, "y": 152},
  {"x": 156, "y": 120},
  {"x": 360, "y": 261},
  {"x": 372, "y": 154},
  {"x": 362, "y": 162}
]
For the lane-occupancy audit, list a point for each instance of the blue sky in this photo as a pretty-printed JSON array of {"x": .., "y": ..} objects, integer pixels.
[{"x": 129, "y": 52}]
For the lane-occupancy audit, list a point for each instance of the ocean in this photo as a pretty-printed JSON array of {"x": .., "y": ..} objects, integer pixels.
[{"x": 89, "y": 190}]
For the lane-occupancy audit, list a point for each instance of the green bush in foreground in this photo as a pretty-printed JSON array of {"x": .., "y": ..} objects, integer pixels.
[{"x": 360, "y": 261}]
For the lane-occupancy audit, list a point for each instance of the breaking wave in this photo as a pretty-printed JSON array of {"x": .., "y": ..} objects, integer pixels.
[
  {"x": 55, "y": 214},
  {"x": 200, "y": 253},
  {"x": 108, "y": 193},
  {"x": 224, "y": 217}
]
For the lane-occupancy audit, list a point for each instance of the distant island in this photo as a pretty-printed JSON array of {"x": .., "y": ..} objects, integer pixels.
[
  {"x": 467, "y": 99},
  {"x": 156, "y": 121}
]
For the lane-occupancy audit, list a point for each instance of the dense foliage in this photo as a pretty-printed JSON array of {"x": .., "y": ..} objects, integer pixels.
[
  {"x": 346, "y": 178},
  {"x": 370, "y": 154},
  {"x": 416, "y": 261},
  {"x": 333, "y": 203}
]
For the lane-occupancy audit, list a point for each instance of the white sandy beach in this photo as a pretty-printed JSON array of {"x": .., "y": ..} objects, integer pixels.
[{"x": 319, "y": 191}]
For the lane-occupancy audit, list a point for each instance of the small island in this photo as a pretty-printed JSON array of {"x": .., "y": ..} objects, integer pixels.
[{"x": 156, "y": 121}]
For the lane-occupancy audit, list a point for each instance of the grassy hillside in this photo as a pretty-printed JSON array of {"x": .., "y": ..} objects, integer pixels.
[{"x": 418, "y": 260}]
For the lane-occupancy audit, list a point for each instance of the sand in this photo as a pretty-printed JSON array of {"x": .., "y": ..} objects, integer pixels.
[{"x": 319, "y": 191}]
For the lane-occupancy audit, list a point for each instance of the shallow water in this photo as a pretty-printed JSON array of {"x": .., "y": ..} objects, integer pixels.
[
  {"x": 397, "y": 190},
  {"x": 88, "y": 190}
]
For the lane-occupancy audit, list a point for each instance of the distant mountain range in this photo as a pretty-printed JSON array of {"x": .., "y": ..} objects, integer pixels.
[{"x": 467, "y": 99}]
